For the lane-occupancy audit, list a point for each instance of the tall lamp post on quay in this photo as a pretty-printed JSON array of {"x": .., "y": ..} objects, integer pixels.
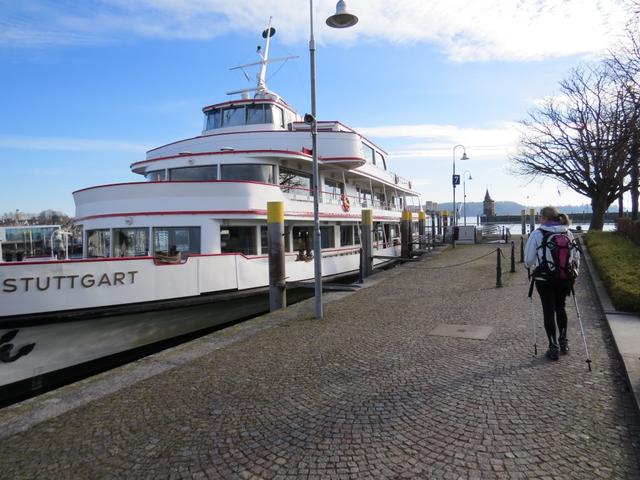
[
  {"x": 464, "y": 194},
  {"x": 455, "y": 180},
  {"x": 341, "y": 19}
]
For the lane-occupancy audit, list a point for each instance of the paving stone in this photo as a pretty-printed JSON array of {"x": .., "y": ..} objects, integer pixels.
[{"x": 366, "y": 392}]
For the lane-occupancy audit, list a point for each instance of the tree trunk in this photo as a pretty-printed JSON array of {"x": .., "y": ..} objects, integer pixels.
[
  {"x": 634, "y": 188},
  {"x": 598, "y": 209},
  {"x": 621, "y": 202}
]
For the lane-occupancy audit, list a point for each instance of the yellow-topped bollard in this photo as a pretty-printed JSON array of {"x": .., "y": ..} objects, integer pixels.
[
  {"x": 275, "y": 212},
  {"x": 275, "y": 246},
  {"x": 406, "y": 236},
  {"x": 367, "y": 216}
]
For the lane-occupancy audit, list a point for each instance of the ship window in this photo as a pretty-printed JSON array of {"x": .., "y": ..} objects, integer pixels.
[
  {"x": 233, "y": 117},
  {"x": 346, "y": 235},
  {"x": 98, "y": 243},
  {"x": 170, "y": 240},
  {"x": 213, "y": 119},
  {"x": 278, "y": 116},
  {"x": 207, "y": 172},
  {"x": 155, "y": 176},
  {"x": 293, "y": 181},
  {"x": 367, "y": 152},
  {"x": 333, "y": 189},
  {"x": 254, "y": 172},
  {"x": 130, "y": 242},
  {"x": 380, "y": 161},
  {"x": 238, "y": 240},
  {"x": 303, "y": 237},
  {"x": 264, "y": 239}
]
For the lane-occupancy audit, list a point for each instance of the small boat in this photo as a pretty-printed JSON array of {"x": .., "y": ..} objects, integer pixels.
[{"x": 194, "y": 228}]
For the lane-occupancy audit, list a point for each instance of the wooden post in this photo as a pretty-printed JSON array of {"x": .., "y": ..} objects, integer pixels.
[
  {"x": 445, "y": 225},
  {"x": 422, "y": 233},
  {"x": 433, "y": 229},
  {"x": 532, "y": 220},
  {"x": 522, "y": 248},
  {"x": 439, "y": 219},
  {"x": 367, "y": 242},
  {"x": 275, "y": 246},
  {"x": 405, "y": 234},
  {"x": 523, "y": 221}
]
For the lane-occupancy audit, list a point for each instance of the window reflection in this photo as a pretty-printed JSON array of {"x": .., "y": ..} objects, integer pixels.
[
  {"x": 130, "y": 242},
  {"x": 203, "y": 173},
  {"x": 238, "y": 240},
  {"x": 98, "y": 243},
  {"x": 171, "y": 240},
  {"x": 248, "y": 172}
]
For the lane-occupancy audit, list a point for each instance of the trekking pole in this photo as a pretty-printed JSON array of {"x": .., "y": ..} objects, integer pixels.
[
  {"x": 586, "y": 349},
  {"x": 533, "y": 320}
]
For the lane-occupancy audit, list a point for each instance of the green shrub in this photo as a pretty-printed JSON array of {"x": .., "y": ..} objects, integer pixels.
[{"x": 618, "y": 262}]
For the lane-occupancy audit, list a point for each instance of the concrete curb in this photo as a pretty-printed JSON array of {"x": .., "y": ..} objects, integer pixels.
[{"x": 624, "y": 326}]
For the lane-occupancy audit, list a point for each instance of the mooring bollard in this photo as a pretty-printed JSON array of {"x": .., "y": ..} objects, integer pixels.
[
  {"x": 275, "y": 246},
  {"x": 405, "y": 234},
  {"x": 513, "y": 256},
  {"x": 422, "y": 243},
  {"x": 522, "y": 248},
  {"x": 532, "y": 220},
  {"x": 367, "y": 242},
  {"x": 498, "y": 268}
]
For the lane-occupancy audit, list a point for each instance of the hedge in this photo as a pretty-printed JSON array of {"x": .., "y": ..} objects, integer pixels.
[
  {"x": 618, "y": 262},
  {"x": 628, "y": 229}
]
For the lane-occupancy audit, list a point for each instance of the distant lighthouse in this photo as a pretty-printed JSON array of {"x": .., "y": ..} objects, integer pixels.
[{"x": 488, "y": 206}]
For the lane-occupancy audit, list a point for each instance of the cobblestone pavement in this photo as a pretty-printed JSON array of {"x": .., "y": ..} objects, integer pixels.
[{"x": 366, "y": 393}]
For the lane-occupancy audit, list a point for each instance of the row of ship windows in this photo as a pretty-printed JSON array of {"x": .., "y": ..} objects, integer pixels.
[
  {"x": 290, "y": 181},
  {"x": 235, "y": 116},
  {"x": 134, "y": 242}
]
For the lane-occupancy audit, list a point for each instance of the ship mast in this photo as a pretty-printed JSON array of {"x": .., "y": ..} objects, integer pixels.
[{"x": 261, "y": 87}]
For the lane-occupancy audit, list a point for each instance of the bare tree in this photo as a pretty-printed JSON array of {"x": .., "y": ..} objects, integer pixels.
[
  {"x": 624, "y": 67},
  {"x": 581, "y": 139}
]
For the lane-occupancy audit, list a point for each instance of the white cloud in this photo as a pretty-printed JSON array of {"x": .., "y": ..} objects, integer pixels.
[
  {"x": 437, "y": 141},
  {"x": 466, "y": 30},
  {"x": 71, "y": 144}
]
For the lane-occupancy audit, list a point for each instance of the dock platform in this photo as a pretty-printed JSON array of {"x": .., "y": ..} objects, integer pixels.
[{"x": 427, "y": 371}]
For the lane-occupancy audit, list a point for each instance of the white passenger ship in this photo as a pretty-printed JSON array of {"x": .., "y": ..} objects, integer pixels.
[{"x": 195, "y": 228}]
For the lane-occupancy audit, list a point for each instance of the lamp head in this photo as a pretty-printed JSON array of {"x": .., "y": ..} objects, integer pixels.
[
  {"x": 464, "y": 156},
  {"x": 342, "y": 18}
]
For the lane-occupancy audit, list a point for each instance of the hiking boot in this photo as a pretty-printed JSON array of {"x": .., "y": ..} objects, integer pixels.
[
  {"x": 564, "y": 345},
  {"x": 553, "y": 353}
]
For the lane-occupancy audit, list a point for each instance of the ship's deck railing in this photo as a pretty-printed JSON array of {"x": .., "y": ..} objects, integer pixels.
[{"x": 305, "y": 194}]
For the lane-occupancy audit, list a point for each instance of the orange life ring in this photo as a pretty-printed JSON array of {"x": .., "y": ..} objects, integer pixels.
[{"x": 345, "y": 203}]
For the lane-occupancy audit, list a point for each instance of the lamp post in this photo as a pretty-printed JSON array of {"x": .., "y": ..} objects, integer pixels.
[
  {"x": 341, "y": 19},
  {"x": 464, "y": 194},
  {"x": 455, "y": 180}
]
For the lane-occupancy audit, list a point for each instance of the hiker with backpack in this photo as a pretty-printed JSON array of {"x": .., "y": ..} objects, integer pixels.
[{"x": 554, "y": 256}]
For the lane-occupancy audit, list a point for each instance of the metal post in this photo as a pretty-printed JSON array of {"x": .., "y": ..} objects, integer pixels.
[
  {"x": 513, "y": 256},
  {"x": 275, "y": 246},
  {"x": 405, "y": 234},
  {"x": 445, "y": 225},
  {"x": 422, "y": 217},
  {"x": 366, "y": 241},
  {"x": 522, "y": 248},
  {"x": 439, "y": 221},
  {"x": 523, "y": 221},
  {"x": 317, "y": 240},
  {"x": 498, "y": 268}
]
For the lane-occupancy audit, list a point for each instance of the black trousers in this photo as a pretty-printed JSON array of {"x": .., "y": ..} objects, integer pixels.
[{"x": 553, "y": 296}]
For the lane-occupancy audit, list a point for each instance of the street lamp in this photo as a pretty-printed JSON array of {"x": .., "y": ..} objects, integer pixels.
[
  {"x": 464, "y": 194},
  {"x": 455, "y": 180},
  {"x": 341, "y": 19}
]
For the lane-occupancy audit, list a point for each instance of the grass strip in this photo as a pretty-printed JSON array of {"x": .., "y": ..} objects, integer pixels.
[{"x": 618, "y": 262}]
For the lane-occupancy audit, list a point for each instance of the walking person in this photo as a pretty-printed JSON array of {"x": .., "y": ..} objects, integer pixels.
[{"x": 552, "y": 253}]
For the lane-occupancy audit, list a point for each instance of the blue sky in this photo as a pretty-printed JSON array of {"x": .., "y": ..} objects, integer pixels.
[{"x": 87, "y": 87}]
